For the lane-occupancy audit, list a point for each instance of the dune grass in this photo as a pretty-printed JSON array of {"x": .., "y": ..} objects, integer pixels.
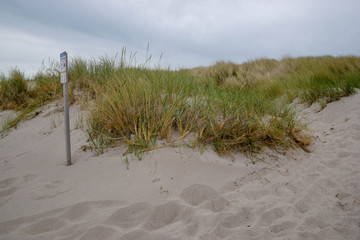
[
  {"x": 231, "y": 107},
  {"x": 14, "y": 90},
  {"x": 309, "y": 78}
]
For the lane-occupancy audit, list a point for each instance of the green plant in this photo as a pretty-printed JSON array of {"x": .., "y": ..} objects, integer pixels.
[
  {"x": 13, "y": 91},
  {"x": 79, "y": 121},
  {"x": 126, "y": 161},
  {"x": 6, "y": 124}
]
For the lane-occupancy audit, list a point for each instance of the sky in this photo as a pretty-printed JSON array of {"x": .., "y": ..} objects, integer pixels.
[{"x": 179, "y": 33}]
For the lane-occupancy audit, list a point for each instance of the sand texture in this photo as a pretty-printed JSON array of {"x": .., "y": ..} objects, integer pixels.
[{"x": 178, "y": 192}]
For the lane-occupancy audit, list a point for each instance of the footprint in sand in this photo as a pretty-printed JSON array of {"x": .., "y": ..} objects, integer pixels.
[
  {"x": 77, "y": 211},
  {"x": 316, "y": 221},
  {"x": 216, "y": 205},
  {"x": 242, "y": 218},
  {"x": 205, "y": 197},
  {"x": 4, "y": 200},
  {"x": 282, "y": 190},
  {"x": 70, "y": 232},
  {"x": 302, "y": 206},
  {"x": 10, "y": 226},
  {"x": 130, "y": 216},
  {"x": 7, "y": 182},
  {"x": 283, "y": 228},
  {"x": 45, "y": 225},
  {"x": 255, "y": 195},
  {"x": 144, "y": 235},
  {"x": 270, "y": 216},
  {"x": 22, "y": 154},
  {"x": 8, "y": 192},
  {"x": 49, "y": 190},
  {"x": 325, "y": 186},
  {"x": 163, "y": 215},
  {"x": 197, "y": 194},
  {"x": 98, "y": 232},
  {"x": 307, "y": 202},
  {"x": 6, "y": 195},
  {"x": 29, "y": 177},
  {"x": 343, "y": 154},
  {"x": 5, "y": 163},
  {"x": 256, "y": 175}
]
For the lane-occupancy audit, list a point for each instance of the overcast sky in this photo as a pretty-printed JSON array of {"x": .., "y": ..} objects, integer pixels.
[{"x": 189, "y": 33}]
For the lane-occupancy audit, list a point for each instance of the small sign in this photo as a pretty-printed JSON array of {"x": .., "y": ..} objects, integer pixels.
[
  {"x": 63, "y": 64},
  {"x": 63, "y": 78},
  {"x": 63, "y": 67}
]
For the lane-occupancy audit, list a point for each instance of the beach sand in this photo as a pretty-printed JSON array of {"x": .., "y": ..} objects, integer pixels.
[{"x": 179, "y": 192}]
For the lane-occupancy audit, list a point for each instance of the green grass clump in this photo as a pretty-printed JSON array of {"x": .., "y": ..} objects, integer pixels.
[
  {"x": 141, "y": 106},
  {"x": 47, "y": 88},
  {"x": 13, "y": 91}
]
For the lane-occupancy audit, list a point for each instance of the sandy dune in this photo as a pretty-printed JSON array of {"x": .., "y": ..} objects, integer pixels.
[{"x": 179, "y": 193}]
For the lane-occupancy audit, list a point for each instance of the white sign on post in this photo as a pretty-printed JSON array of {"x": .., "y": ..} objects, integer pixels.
[
  {"x": 63, "y": 78},
  {"x": 63, "y": 68}
]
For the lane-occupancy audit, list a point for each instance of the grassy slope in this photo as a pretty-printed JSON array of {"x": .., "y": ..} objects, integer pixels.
[{"x": 231, "y": 107}]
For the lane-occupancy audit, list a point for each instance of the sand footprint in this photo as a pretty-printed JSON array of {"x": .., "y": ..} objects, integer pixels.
[
  {"x": 283, "y": 228},
  {"x": 49, "y": 190},
  {"x": 243, "y": 218},
  {"x": 130, "y": 216},
  {"x": 270, "y": 216},
  {"x": 45, "y": 225},
  {"x": 6, "y": 195},
  {"x": 31, "y": 224},
  {"x": 325, "y": 186},
  {"x": 163, "y": 215},
  {"x": 7, "y": 182},
  {"x": 219, "y": 232},
  {"x": 8, "y": 192},
  {"x": 197, "y": 194},
  {"x": 216, "y": 205},
  {"x": 98, "y": 232},
  {"x": 144, "y": 235},
  {"x": 306, "y": 203},
  {"x": 342, "y": 154},
  {"x": 316, "y": 221},
  {"x": 303, "y": 205},
  {"x": 77, "y": 211},
  {"x": 29, "y": 177},
  {"x": 70, "y": 232},
  {"x": 255, "y": 195},
  {"x": 5, "y": 163},
  {"x": 10, "y": 226}
]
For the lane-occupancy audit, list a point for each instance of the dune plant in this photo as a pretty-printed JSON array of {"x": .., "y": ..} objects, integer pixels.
[
  {"x": 231, "y": 107},
  {"x": 47, "y": 86},
  {"x": 13, "y": 90},
  {"x": 141, "y": 106}
]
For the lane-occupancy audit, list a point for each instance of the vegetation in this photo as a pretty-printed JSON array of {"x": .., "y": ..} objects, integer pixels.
[
  {"x": 228, "y": 106},
  {"x": 14, "y": 90}
]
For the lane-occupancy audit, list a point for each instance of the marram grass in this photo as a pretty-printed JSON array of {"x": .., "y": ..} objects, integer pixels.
[{"x": 228, "y": 106}]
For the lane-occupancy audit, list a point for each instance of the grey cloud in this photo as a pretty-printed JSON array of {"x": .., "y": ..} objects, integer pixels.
[{"x": 189, "y": 32}]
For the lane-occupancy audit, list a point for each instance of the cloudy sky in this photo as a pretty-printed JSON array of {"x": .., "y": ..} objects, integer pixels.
[{"x": 189, "y": 33}]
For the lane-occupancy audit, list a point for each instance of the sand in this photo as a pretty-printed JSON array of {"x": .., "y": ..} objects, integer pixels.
[{"x": 178, "y": 192}]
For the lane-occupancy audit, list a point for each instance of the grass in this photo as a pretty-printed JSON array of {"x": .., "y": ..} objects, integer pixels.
[
  {"x": 5, "y": 125},
  {"x": 14, "y": 90},
  {"x": 309, "y": 78},
  {"x": 231, "y": 107}
]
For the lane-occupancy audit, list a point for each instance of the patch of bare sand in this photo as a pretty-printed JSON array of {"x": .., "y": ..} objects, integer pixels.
[{"x": 179, "y": 193}]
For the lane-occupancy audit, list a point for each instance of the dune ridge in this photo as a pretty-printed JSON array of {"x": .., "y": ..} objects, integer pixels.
[{"x": 179, "y": 193}]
